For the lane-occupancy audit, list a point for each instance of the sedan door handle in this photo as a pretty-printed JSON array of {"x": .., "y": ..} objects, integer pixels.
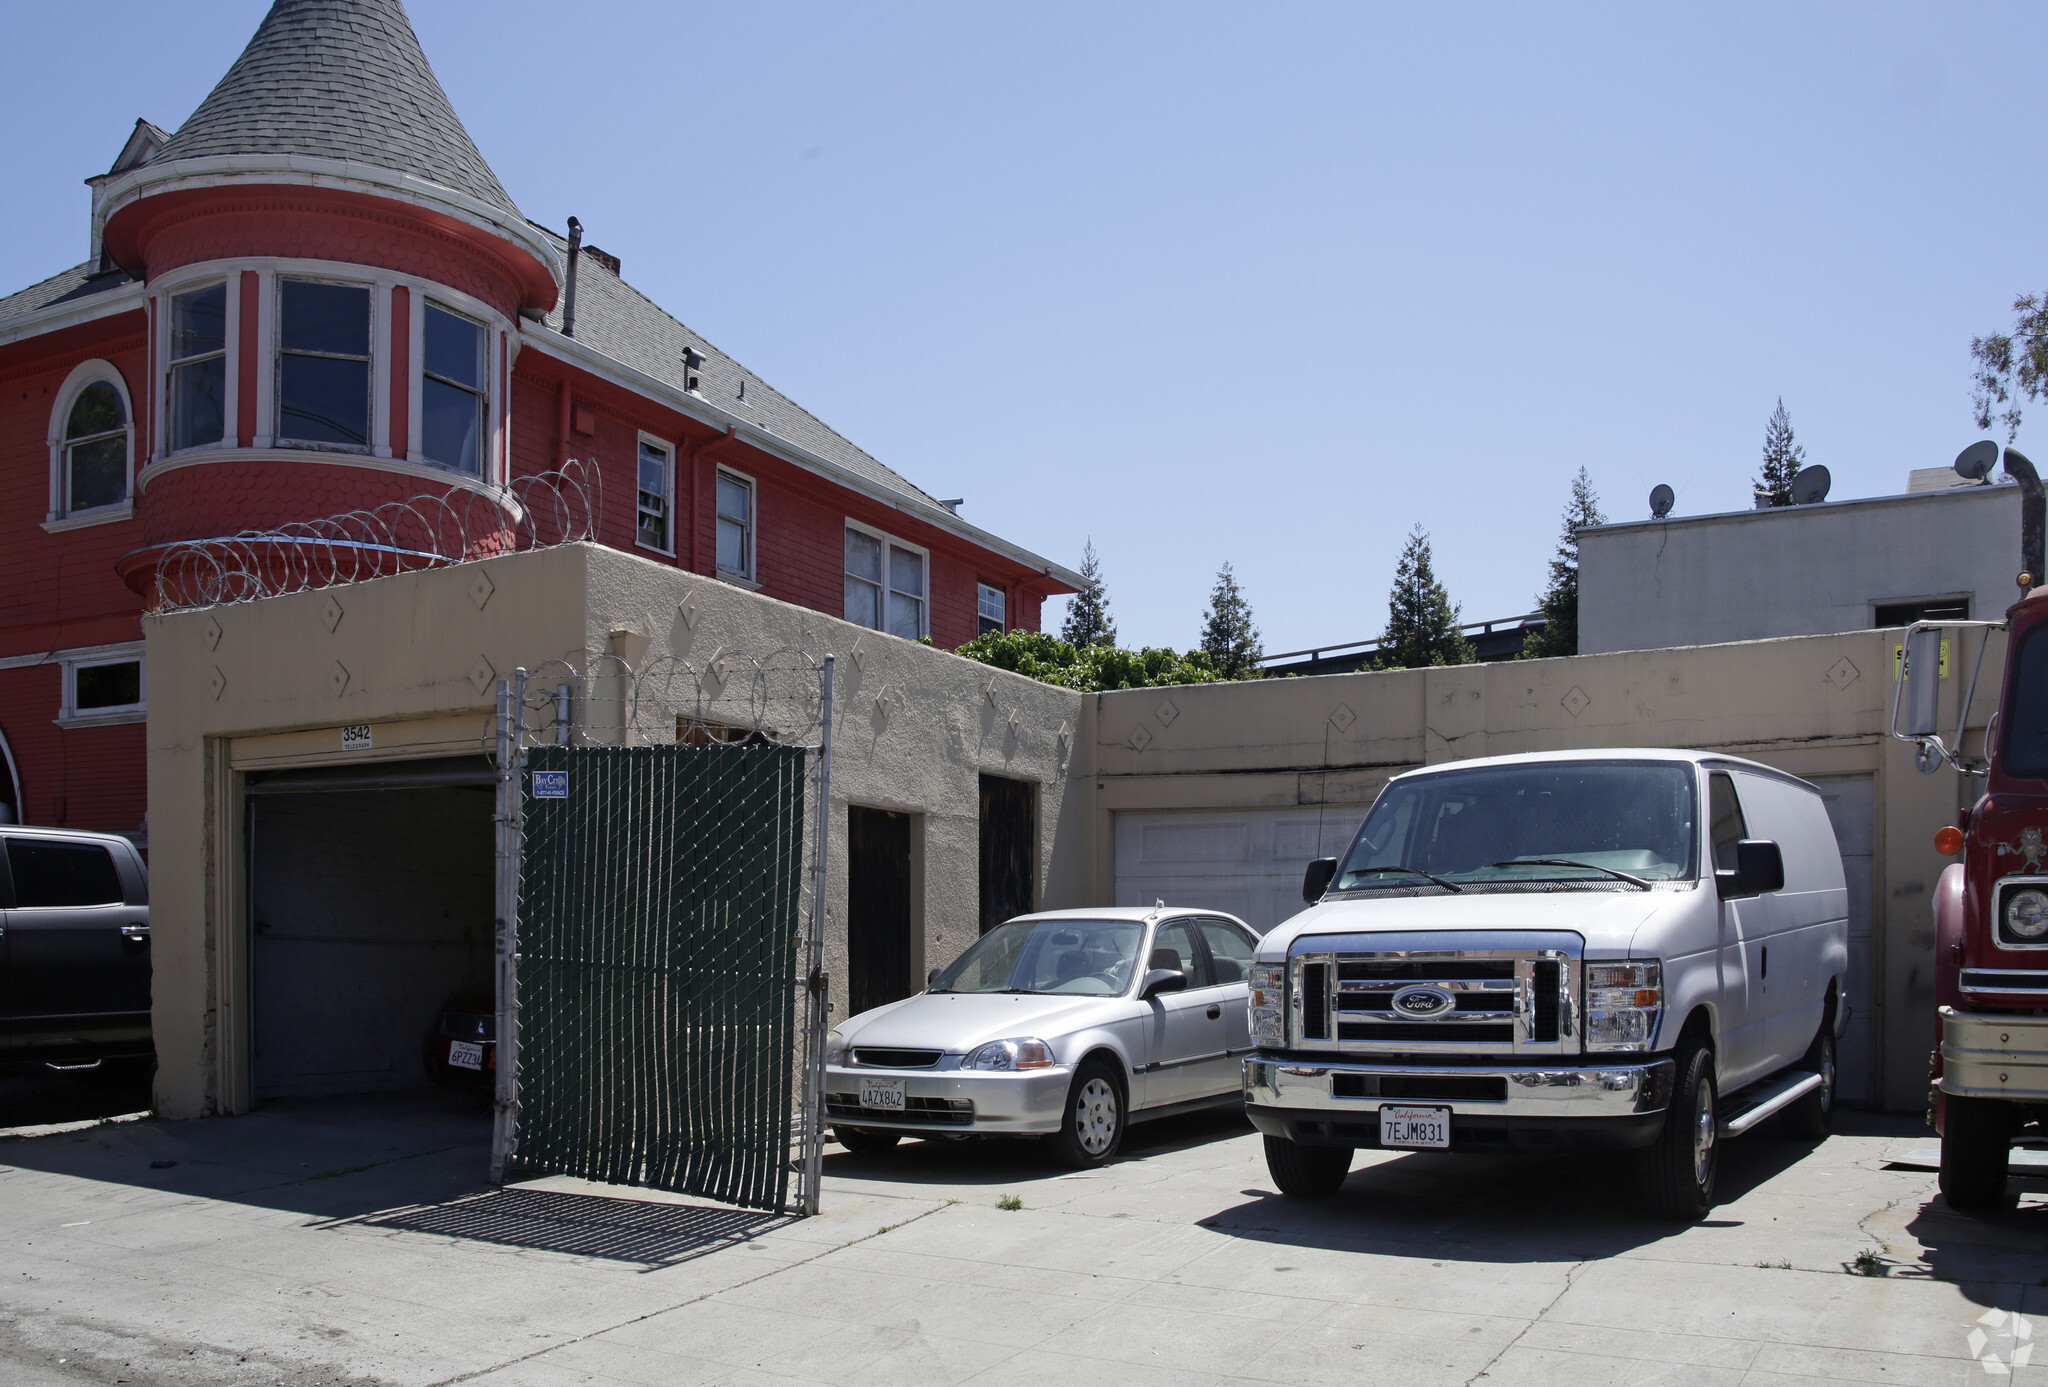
[
  {"x": 135, "y": 931},
  {"x": 1214, "y": 1011}
]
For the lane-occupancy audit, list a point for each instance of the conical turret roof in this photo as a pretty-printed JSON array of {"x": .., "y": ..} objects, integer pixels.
[{"x": 339, "y": 79}]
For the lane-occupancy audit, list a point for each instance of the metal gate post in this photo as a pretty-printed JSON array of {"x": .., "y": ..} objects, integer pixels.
[
  {"x": 816, "y": 984},
  {"x": 510, "y": 841}
]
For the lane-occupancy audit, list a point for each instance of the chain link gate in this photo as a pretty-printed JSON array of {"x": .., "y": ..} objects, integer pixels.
[{"x": 661, "y": 995}]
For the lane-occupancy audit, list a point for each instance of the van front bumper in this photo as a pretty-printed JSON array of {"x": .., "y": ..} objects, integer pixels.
[
  {"x": 1989, "y": 1054},
  {"x": 1496, "y": 1107}
]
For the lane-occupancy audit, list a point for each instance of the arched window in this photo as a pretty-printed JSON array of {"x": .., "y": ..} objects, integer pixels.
[{"x": 91, "y": 445}]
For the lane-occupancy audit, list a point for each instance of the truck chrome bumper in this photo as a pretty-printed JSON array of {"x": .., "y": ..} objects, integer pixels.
[
  {"x": 1994, "y": 1055},
  {"x": 1625, "y": 1088}
]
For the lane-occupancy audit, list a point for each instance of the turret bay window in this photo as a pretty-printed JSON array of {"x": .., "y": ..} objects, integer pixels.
[
  {"x": 735, "y": 525},
  {"x": 885, "y": 584},
  {"x": 452, "y": 392},
  {"x": 991, "y": 609},
  {"x": 656, "y": 471},
  {"x": 323, "y": 364},
  {"x": 199, "y": 368},
  {"x": 95, "y": 468}
]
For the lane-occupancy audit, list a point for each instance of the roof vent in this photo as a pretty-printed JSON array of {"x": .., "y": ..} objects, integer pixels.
[{"x": 692, "y": 361}]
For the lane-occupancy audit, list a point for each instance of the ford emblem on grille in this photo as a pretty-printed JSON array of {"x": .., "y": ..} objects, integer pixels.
[{"x": 1423, "y": 1002}]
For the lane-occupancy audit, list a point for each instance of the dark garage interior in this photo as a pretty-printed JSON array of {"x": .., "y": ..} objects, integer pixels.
[{"x": 371, "y": 906}]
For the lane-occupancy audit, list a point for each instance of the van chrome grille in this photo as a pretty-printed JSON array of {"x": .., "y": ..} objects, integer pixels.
[{"x": 1509, "y": 993}]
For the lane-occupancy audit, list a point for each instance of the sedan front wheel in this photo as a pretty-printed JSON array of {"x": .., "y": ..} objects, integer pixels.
[{"x": 1093, "y": 1127}]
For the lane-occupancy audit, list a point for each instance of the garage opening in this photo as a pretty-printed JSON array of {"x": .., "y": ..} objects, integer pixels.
[
  {"x": 371, "y": 912},
  {"x": 877, "y": 907},
  {"x": 1009, "y": 837}
]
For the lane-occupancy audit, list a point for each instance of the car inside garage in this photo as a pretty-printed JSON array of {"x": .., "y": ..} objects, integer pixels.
[{"x": 371, "y": 909}]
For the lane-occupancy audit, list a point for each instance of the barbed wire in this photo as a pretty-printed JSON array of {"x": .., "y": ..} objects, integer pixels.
[{"x": 428, "y": 530}]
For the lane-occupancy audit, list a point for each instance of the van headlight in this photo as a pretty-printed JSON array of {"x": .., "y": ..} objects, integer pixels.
[
  {"x": 1268, "y": 1005},
  {"x": 1025, "y": 1052},
  {"x": 1623, "y": 1001}
]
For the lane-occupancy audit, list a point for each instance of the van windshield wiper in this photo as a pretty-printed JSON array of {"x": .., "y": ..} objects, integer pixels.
[
  {"x": 1412, "y": 871},
  {"x": 1567, "y": 862}
]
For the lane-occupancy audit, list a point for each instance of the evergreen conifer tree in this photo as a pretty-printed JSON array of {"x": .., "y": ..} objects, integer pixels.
[
  {"x": 1088, "y": 621},
  {"x": 1559, "y": 634},
  {"x": 1782, "y": 460},
  {"x": 1422, "y": 623},
  {"x": 1228, "y": 636}
]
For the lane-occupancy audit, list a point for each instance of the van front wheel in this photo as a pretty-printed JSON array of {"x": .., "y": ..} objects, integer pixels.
[
  {"x": 1678, "y": 1171},
  {"x": 1307, "y": 1172}
]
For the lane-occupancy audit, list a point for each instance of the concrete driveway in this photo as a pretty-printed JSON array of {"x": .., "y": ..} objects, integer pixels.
[{"x": 352, "y": 1242}]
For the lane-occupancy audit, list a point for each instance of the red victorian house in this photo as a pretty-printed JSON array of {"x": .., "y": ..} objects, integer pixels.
[{"x": 315, "y": 298}]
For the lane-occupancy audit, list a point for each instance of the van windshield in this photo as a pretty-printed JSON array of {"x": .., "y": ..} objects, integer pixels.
[
  {"x": 1089, "y": 957},
  {"x": 1504, "y": 826}
]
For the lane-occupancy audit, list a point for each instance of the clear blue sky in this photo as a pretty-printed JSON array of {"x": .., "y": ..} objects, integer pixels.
[{"x": 1259, "y": 283}]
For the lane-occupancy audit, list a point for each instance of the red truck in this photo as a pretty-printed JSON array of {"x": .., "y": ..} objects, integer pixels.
[{"x": 1990, "y": 1064}]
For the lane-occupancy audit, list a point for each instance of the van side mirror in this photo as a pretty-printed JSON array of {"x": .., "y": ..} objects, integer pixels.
[
  {"x": 1162, "y": 980},
  {"x": 1316, "y": 879},
  {"x": 1759, "y": 867}
]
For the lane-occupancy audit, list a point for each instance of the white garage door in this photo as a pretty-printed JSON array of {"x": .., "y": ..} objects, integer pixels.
[
  {"x": 1244, "y": 861},
  {"x": 1852, "y": 809}
]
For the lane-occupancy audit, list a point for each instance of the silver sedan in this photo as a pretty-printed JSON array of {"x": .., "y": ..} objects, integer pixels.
[{"x": 1049, "y": 1026}]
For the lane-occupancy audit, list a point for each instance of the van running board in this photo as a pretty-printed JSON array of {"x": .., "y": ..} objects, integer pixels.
[{"x": 1774, "y": 1096}]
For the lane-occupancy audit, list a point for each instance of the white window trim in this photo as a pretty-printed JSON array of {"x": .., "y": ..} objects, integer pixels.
[
  {"x": 997, "y": 588},
  {"x": 84, "y": 374},
  {"x": 925, "y": 623},
  {"x": 378, "y": 403},
  {"x": 487, "y": 468},
  {"x": 160, "y": 388},
  {"x": 751, "y": 572},
  {"x": 71, "y": 661},
  {"x": 670, "y": 500}
]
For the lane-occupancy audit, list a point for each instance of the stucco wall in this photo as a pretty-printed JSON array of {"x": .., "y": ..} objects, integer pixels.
[
  {"x": 270, "y": 684},
  {"x": 1794, "y": 571},
  {"x": 1815, "y": 706}
]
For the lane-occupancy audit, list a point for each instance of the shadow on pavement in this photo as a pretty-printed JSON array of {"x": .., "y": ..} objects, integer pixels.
[
  {"x": 47, "y": 1098},
  {"x": 1436, "y": 1205},
  {"x": 620, "y": 1230},
  {"x": 1005, "y": 1160}
]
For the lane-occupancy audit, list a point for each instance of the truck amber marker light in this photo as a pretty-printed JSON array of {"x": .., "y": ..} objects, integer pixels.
[{"x": 1948, "y": 840}]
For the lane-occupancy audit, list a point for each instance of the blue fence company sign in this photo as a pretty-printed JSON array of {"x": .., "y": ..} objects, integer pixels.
[{"x": 551, "y": 784}]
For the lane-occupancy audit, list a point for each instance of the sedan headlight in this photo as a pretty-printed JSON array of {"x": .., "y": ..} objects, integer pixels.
[
  {"x": 1268, "y": 1002},
  {"x": 1623, "y": 1001},
  {"x": 1027, "y": 1052},
  {"x": 2026, "y": 915},
  {"x": 835, "y": 1048}
]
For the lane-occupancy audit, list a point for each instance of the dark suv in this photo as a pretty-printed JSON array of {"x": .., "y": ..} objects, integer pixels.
[{"x": 74, "y": 951}]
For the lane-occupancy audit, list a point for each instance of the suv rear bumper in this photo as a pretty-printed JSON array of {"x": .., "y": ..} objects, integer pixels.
[
  {"x": 1539, "y": 1107},
  {"x": 1994, "y": 1055}
]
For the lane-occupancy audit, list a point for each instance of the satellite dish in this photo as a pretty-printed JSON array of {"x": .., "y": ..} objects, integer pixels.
[
  {"x": 1976, "y": 461},
  {"x": 1810, "y": 485},
  {"x": 1662, "y": 498}
]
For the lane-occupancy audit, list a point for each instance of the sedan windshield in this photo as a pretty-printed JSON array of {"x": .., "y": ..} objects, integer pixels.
[
  {"x": 1089, "y": 957},
  {"x": 1591, "y": 822}
]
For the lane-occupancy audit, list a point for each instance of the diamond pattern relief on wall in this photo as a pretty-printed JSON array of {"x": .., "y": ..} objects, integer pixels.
[
  {"x": 1140, "y": 737},
  {"x": 1343, "y": 717},
  {"x": 337, "y": 678},
  {"x": 1842, "y": 673},
  {"x": 331, "y": 615},
  {"x": 1576, "y": 701},
  {"x": 480, "y": 589},
  {"x": 482, "y": 675},
  {"x": 1166, "y": 713},
  {"x": 217, "y": 683},
  {"x": 212, "y": 632}
]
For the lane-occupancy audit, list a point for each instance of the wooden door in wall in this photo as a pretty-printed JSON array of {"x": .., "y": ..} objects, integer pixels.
[
  {"x": 1009, "y": 824},
  {"x": 878, "y": 943}
]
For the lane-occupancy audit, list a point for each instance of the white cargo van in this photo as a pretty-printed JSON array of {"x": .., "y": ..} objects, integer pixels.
[{"x": 1636, "y": 950}]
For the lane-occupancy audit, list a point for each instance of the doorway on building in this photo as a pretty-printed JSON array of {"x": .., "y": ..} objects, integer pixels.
[
  {"x": 371, "y": 911},
  {"x": 878, "y": 939},
  {"x": 1009, "y": 837}
]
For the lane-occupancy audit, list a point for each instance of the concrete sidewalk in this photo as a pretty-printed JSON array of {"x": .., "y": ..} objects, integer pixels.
[{"x": 353, "y": 1242}]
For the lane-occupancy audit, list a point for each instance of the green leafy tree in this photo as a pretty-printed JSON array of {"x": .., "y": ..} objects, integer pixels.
[
  {"x": 2010, "y": 366},
  {"x": 1422, "y": 622},
  {"x": 1088, "y": 621},
  {"x": 1782, "y": 460},
  {"x": 1229, "y": 638},
  {"x": 1089, "y": 668},
  {"x": 1559, "y": 634}
]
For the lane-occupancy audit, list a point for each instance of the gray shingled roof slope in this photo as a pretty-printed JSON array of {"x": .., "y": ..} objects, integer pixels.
[
  {"x": 339, "y": 79},
  {"x": 78, "y": 282},
  {"x": 615, "y": 318}
]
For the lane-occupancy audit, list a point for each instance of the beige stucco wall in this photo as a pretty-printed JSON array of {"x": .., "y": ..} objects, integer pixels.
[
  {"x": 1815, "y": 705},
  {"x": 270, "y": 684}
]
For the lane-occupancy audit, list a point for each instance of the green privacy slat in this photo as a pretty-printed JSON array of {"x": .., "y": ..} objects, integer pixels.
[{"x": 658, "y": 928}]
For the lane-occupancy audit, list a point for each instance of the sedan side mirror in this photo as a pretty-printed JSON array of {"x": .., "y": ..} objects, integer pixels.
[
  {"x": 1759, "y": 867},
  {"x": 931, "y": 979},
  {"x": 1162, "y": 980},
  {"x": 1316, "y": 879}
]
